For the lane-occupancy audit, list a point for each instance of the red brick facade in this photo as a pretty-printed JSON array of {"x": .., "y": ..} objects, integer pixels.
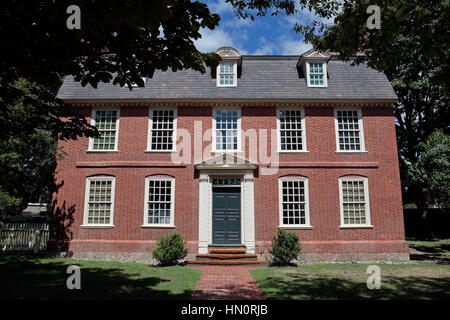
[{"x": 322, "y": 166}]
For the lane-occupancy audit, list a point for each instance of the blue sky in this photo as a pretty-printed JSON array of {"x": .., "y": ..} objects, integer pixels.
[{"x": 270, "y": 35}]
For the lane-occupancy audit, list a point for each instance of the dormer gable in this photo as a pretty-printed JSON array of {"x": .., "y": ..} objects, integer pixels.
[
  {"x": 228, "y": 68},
  {"x": 313, "y": 64}
]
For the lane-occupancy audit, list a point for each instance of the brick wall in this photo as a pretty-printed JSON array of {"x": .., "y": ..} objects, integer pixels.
[{"x": 387, "y": 234}]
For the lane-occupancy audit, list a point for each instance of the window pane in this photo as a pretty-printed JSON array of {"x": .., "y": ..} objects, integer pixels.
[
  {"x": 226, "y": 74},
  {"x": 316, "y": 74},
  {"x": 348, "y": 130},
  {"x": 162, "y": 130},
  {"x": 99, "y": 202},
  {"x": 353, "y": 202},
  {"x": 105, "y": 122},
  {"x": 293, "y": 202},
  {"x": 226, "y": 129},
  {"x": 159, "y": 201},
  {"x": 291, "y": 130}
]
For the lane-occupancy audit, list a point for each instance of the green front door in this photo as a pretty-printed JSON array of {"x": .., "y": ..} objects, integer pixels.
[{"x": 226, "y": 215}]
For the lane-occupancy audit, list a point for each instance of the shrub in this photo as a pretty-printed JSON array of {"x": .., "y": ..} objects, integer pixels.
[
  {"x": 285, "y": 248},
  {"x": 169, "y": 249}
]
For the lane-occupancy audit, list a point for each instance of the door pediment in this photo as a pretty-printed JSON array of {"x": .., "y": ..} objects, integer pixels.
[{"x": 226, "y": 161}]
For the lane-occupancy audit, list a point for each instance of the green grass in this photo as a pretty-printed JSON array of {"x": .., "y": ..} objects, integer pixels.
[
  {"x": 430, "y": 250},
  {"x": 31, "y": 277},
  {"x": 349, "y": 281}
]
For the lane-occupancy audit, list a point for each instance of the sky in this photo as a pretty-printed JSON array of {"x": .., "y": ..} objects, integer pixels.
[{"x": 269, "y": 35}]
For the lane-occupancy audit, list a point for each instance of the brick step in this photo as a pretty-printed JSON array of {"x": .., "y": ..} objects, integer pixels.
[
  {"x": 225, "y": 262},
  {"x": 226, "y": 256},
  {"x": 227, "y": 250}
]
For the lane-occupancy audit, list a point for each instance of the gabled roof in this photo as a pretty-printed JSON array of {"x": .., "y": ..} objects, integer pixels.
[
  {"x": 228, "y": 53},
  {"x": 262, "y": 78},
  {"x": 226, "y": 161},
  {"x": 314, "y": 55}
]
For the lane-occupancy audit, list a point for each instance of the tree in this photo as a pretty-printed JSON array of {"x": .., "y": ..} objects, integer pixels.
[
  {"x": 430, "y": 175},
  {"x": 31, "y": 120},
  {"x": 119, "y": 40},
  {"x": 412, "y": 48}
]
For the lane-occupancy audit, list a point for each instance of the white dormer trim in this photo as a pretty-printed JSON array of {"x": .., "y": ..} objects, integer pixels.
[
  {"x": 325, "y": 78},
  {"x": 313, "y": 56},
  {"x": 234, "y": 84},
  {"x": 229, "y": 55}
]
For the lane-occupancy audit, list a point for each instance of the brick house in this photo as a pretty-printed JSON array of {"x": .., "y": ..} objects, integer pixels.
[{"x": 306, "y": 143}]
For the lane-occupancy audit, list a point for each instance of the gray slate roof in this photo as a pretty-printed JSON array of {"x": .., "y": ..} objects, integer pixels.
[{"x": 263, "y": 77}]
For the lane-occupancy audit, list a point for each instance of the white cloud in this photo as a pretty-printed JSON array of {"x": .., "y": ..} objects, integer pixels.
[
  {"x": 265, "y": 48},
  {"x": 283, "y": 46},
  {"x": 219, "y": 6},
  {"x": 213, "y": 39},
  {"x": 235, "y": 22},
  {"x": 294, "y": 47}
]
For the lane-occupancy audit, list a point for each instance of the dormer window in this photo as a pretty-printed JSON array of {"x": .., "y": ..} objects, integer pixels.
[
  {"x": 316, "y": 74},
  {"x": 227, "y": 75},
  {"x": 314, "y": 66},
  {"x": 227, "y": 70}
]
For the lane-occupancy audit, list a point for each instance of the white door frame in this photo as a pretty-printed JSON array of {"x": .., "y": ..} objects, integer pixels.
[{"x": 205, "y": 207}]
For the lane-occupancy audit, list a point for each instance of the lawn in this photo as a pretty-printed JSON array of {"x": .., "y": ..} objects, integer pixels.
[
  {"x": 436, "y": 250},
  {"x": 348, "y": 281},
  {"x": 31, "y": 277}
]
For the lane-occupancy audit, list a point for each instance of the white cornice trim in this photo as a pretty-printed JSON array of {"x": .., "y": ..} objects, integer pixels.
[{"x": 230, "y": 103}]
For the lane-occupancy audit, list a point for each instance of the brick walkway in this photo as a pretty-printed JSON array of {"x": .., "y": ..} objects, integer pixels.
[{"x": 226, "y": 283}]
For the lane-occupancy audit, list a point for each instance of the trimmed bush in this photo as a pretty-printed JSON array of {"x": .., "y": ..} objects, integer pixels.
[
  {"x": 170, "y": 249},
  {"x": 285, "y": 248}
]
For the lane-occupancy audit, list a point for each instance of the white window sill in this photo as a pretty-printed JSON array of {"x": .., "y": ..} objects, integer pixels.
[
  {"x": 160, "y": 151},
  {"x": 227, "y": 86},
  {"x": 97, "y": 226},
  {"x": 350, "y": 151},
  {"x": 297, "y": 227},
  {"x": 293, "y": 151},
  {"x": 102, "y": 151},
  {"x": 155, "y": 226},
  {"x": 226, "y": 151},
  {"x": 356, "y": 226}
]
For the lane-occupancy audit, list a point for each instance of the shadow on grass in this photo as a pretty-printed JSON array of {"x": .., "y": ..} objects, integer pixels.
[
  {"x": 438, "y": 252},
  {"x": 301, "y": 287},
  {"x": 26, "y": 277}
]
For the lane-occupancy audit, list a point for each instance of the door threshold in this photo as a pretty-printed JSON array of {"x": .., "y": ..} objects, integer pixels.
[{"x": 226, "y": 245}]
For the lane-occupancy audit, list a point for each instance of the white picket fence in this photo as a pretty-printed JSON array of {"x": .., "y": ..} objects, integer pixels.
[{"x": 24, "y": 236}]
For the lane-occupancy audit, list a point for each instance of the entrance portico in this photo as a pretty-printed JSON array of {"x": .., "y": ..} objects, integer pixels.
[{"x": 226, "y": 202}]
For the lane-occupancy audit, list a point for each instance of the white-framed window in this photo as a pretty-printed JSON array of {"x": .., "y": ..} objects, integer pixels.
[
  {"x": 162, "y": 132},
  {"x": 349, "y": 130},
  {"x": 354, "y": 201},
  {"x": 291, "y": 130},
  {"x": 227, "y": 74},
  {"x": 99, "y": 201},
  {"x": 294, "y": 202},
  {"x": 159, "y": 201},
  {"x": 226, "y": 130},
  {"x": 107, "y": 123},
  {"x": 316, "y": 74}
]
